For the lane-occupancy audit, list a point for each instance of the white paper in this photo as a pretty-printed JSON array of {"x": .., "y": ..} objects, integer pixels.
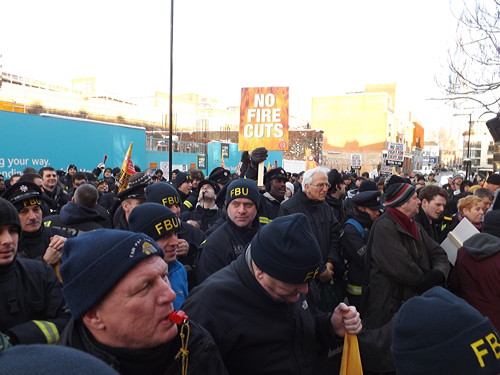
[{"x": 463, "y": 231}]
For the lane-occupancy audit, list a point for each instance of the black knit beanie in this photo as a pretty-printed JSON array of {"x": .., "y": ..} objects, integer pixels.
[
  {"x": 243, "y": 188},
  {"x": 180, "y": 178},
  {"x": 8, "y": 214},
  {"x": 163, "y": 193},
  {"x": 287, "y": 250}
]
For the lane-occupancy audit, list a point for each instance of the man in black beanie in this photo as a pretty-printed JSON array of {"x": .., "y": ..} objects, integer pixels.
[
  {"x": 184, "y": 183},
  {"x": 32, "y": 308},
  {"x": 117, "y": 289},
  {"x": 190, "y": 237},
  {"x": 229, "y": 240},
  {"x": 263, "y": 297},
  {"x": 403, "y": 261},
  {"x": 270, "y": 201}
]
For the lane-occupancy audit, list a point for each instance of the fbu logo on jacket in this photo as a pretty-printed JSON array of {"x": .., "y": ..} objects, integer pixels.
[{"x": 236, "y": 192}]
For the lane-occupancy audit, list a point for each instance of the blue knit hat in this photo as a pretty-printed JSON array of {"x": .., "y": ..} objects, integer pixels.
[
  {"x": 41, "y": 359},
  {"x": 153, "y": 219},
  {"x": 287, "y": 250},
  {"x": 439, "y": 333},
  {"x": 94, "y": 262},
  {"x": 398, "y": 194},
  {"x": 243, "y": 188},
  {"x": 163, "y": 193}
]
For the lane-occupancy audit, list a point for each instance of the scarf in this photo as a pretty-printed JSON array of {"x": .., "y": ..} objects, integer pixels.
[{"x": 407, "y": 223}]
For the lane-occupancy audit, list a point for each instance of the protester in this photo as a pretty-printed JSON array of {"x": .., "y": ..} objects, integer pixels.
[
  {"x": 162, "y": 225},
  {"x": 476, "y": 274},
  {"x": 229, "y": 241},
  {"x": 270, "y": 325},
  {"x": 433, "y": 201},
  {"x": 206, "y": 212},
  {"x": 273, "y": 196},
  {"x": 117, "y": 289},
  {"x": 32, "y": 308}
]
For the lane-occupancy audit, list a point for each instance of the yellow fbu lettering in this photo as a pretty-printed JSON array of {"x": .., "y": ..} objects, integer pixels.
[
  {"x": 239, "y": 191},
  {"x": 492, "y": 340}
]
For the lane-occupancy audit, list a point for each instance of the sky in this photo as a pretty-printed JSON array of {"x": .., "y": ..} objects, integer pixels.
[{"x": 315, "y": 47}]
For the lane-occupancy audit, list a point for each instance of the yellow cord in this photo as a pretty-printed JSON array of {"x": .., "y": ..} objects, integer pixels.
[{"x": 183, "y": 351}]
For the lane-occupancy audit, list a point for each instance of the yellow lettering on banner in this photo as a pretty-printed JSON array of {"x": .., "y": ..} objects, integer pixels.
[
  {"x": 238, "y": 191},
  {"x": 479, "y": 353},
  {"x": 495, "y": 346},
  {"x": 169, "y": 201}
]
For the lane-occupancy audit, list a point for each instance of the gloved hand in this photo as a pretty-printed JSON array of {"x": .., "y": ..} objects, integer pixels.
[
  {"x": 429, "y": 280},
  {"x": 258, "y": 156},
  {"x": 101, "y": 166},
  {"x": 4, "y": 342}
]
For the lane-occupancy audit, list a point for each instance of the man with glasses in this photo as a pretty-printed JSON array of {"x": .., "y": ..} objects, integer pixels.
[
  {"x": 311, "y": 202},
  {"x": 57, "y": 197}
]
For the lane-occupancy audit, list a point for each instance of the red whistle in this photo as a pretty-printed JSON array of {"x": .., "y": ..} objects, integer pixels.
[{"x": 178, "y": 317}]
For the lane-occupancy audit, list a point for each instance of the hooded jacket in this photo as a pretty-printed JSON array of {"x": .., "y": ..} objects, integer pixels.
[
  {"x": 476, "y": 275},
  {"x": 75, "y": 218}
]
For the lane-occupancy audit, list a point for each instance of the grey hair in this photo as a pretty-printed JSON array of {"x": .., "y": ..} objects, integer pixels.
[{"x": 308, "y": 175}]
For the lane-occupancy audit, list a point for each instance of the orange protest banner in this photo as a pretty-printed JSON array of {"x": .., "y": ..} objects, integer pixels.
[{"x": 263, "y": 118}]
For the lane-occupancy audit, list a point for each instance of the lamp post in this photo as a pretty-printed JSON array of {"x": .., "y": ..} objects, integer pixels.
[{"x": 467, "y": 161}]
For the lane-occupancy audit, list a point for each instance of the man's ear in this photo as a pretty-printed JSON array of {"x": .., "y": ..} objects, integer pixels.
[
  {"x": 257, "y": 271},
  {"x": 92, "y": 319}
]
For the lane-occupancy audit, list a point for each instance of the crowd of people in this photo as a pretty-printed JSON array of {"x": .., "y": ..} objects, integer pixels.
[{"x": 214, "y": 274}]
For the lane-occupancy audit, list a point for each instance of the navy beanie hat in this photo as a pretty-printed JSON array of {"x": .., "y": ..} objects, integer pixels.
[
  {"x": 398, "y": 194},
  {"x": 367, "y": 185},
  {"x": 94, "y": 262},
  {"x": 163, "y": 193},
  {"x": 40, "y": 359},
  {"x": 153, "y": 219},
  {"x": 440, "y": 333},
  {"x": 243, "y": 188},
  {"x": 287, "y": 250},
  {"x": 8, "y": 214},
  {"x": 180, "y": 178}
]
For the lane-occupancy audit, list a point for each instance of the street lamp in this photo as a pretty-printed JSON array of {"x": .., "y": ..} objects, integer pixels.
[{"x": 467, "y": 161}]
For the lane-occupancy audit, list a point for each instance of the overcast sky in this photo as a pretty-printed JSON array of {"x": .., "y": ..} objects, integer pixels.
[{"x": 315, "y": 47}]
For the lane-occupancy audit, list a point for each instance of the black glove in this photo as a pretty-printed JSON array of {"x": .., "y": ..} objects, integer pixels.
[
  {"x": 430, "y": 279},
  {"x": 258, "y": 156}
]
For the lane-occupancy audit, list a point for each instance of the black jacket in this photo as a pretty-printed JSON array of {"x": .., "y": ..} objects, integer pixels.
[
  {"x": 324, "y": 224},
  {"x": 32, "y": 307},
  {"x": 206, "y": 217},
  {"x": 56, "y": 199},
  {"x": 269, "y": 208},
  {"x": 33, "y": 245},
  {"x": 76, "y": 219},
  {"x": 204, "y": 358},
  {"x": 256, "y": 334},
  {"x": 432, "y": 228},
  {"x": 223, "y": 246}
]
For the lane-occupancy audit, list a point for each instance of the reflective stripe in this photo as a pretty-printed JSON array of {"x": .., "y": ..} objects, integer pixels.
[
  {"x": 47, "y": 223},
  {"x": 264, "y": 220},
  {"x": 49, "y": 330},
  {"x": 187, "y": 204},
  {"x": 355, "y": 290}
]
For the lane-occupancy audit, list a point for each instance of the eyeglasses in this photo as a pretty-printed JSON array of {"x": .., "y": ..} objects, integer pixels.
[{"x": 323, "y": 185}]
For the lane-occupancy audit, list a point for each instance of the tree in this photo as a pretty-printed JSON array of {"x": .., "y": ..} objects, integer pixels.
[{"x": 474, "y": 64}]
